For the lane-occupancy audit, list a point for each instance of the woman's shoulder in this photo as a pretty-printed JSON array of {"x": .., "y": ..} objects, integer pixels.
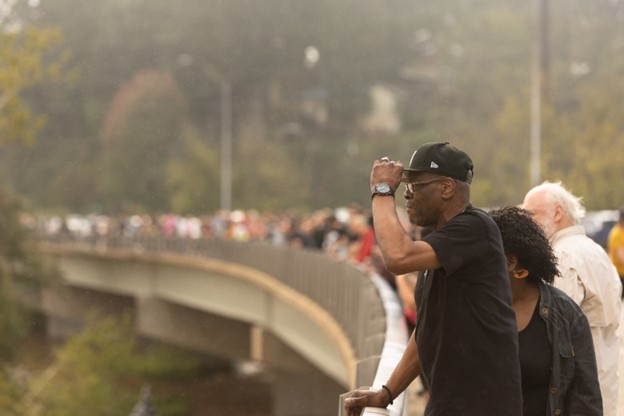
[{"x": 561, "y": 301}]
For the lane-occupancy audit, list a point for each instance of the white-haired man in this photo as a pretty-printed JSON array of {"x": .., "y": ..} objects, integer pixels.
[{"x": 587, "y": 276}]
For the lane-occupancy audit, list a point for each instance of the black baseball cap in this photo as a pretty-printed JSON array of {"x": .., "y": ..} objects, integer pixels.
[{"x": 442, "y": 159}]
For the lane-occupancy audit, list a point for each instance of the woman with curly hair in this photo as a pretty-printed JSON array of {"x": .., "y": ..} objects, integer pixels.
[{"x": 557, "y": 359}]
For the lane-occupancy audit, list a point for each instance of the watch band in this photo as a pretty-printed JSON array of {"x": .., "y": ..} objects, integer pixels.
[
  {"x": 382, "y": 189},
  {"x": 382, "y": 194}
]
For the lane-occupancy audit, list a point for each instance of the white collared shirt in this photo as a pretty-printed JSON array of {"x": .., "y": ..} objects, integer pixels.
[{"x": 591, "y": 280}]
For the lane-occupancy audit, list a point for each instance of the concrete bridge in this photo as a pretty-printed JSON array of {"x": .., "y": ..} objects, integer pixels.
[{"x": 321, "y": 328}]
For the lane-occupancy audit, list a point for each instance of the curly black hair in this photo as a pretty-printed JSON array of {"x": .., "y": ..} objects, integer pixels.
[{"x": 524, "y": 239}]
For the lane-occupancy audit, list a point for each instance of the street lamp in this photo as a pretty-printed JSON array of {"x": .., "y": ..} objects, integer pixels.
[
  {"x": 536, "y": 109},
  {"x": 226, "y": 143},
  {"x": 539, "y": 85},
  {"x": 225, "y": 98}
]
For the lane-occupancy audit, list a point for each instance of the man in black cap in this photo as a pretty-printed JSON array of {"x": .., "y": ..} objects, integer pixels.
[{"x": 465, "y": 342}]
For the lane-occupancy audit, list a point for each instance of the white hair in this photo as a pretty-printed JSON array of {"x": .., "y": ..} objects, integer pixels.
[{"x": 556, "y": 194}]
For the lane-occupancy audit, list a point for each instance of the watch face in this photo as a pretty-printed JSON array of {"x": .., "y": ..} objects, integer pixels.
[{"x": 383, "y": 188}]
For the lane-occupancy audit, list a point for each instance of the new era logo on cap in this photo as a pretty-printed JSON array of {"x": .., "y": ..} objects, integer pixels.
[{"x": 434, "y": 165}]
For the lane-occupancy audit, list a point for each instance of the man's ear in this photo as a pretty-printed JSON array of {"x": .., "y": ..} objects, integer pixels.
[
  {"x": 558, "y": 214},
  {"x": 449, "y": 188}
]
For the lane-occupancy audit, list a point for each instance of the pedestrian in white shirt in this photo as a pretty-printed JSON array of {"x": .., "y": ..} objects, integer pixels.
[{"x": 587, "y": 276}]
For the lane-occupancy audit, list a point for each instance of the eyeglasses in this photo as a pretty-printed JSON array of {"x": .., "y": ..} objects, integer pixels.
[{"x": 413, "y": 187}]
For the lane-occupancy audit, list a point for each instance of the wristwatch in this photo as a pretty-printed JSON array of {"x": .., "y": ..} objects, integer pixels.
[{"x": 382, "y": 189}]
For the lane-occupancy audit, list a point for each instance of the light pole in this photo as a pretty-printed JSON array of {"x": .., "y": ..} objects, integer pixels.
[
  {"x": 225, "y": 100},
  {"x": 539, "y": 85},
  {"x": 536, "y": 109},
  {"x": 226, "y": 143}
]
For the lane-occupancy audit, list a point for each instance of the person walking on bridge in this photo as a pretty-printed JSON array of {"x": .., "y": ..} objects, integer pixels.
[{"x": 465, "y": 343}]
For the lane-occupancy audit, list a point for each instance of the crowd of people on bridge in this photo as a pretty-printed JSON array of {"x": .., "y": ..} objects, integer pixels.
[{"x": 344, "y": 233}]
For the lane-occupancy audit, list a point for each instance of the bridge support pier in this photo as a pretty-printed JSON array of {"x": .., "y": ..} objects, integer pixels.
[
  {"x": 191, "y": 328},
  {"x": 67, "y": 308},
  {"x": 298, "y": 387}
]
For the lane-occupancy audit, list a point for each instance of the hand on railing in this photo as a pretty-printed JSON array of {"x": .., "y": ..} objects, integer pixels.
[{"x": 361, "y": 398}]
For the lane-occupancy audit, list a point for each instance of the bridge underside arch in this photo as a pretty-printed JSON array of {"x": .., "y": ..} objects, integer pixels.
[{"x": 215, "y": 308}]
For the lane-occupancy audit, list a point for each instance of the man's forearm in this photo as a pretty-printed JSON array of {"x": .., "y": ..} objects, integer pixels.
[{"x": 406, "y": 370}]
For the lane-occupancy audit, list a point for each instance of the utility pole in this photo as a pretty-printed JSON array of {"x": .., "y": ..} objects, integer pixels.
[
  {"x": 217, "y": 78},
  {"x": 226, "y": 143},
  {"x": 544, "y": 45},
  {"x": 540, "y": 68}
]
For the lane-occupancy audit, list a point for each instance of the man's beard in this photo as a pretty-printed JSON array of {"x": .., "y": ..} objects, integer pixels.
[{"x": 549, "y": 227}]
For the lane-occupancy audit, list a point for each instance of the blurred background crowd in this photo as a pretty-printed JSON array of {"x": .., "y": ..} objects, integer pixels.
[{"x": 345, "y": 233}]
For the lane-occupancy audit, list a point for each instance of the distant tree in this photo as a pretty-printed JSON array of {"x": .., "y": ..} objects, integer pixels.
[
  {"x": 88, "y": 376},
  {"x": 502, "y": 169},
  {"x": 584, "y": 148},
  {"x": 141, "y": 133},
  {"x": 583, "y": 134},
  {"x": 192, "y": 177},
  {"x": 26, "y": 62},
  {"x": 459, "y": 70},
  {"x": 98, "y": 372},
  {"x": 28, "y": 56},
  {"x": 268, "y": 178},
  {"x": 21, "y": 270}
]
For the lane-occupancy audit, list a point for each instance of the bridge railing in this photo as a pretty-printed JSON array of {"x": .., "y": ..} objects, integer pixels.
[{"x": 362, "y": 304}]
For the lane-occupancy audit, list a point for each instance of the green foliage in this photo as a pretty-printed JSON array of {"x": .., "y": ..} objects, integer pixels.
[
  {"x": 11, "y": 323},
  {"x": 586, "y": 145},
  {"x": 91, "y": 372},
  {"x": 267, "y": 169},
  {"x": 21, "y": 270},
  {"x": 24, "y": 64},
  {"x": 141, "y": 134},
  {"x": 99, "y": 371},
  {"x": 192, "y": 178},
  {"x": 10, "y": 392},
  {"x": 167, "y": 362},
  {"x": 459, "y": 71}
]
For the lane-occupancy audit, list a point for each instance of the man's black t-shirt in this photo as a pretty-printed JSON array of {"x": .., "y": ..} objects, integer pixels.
[{"x": 466, "y": 330}]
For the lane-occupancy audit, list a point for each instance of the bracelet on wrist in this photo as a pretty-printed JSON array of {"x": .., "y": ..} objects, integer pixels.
[{"x": 390, "y": 395}]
